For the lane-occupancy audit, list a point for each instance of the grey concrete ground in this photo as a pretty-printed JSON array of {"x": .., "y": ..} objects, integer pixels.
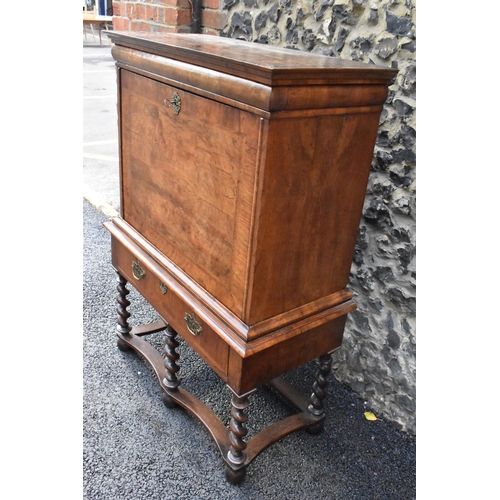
[
  {"x": 137, "y": 449},
  {"x": 100, "y": 131}
]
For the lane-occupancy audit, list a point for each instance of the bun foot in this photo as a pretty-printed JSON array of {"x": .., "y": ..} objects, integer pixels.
[
  {"x": 123, "y": 346},
  {"x": 168, "y": 401},
  {"x": 316, "y": 428},
  {"x": 235, "y": 476}
]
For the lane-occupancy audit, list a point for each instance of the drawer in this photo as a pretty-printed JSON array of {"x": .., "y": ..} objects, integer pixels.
[{"x": 146, "y": 277}]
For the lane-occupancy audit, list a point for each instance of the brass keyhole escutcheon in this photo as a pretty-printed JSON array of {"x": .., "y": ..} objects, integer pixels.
[
  {"x": 175, "y": 102},
  {"x": 192, "y": 325},
  {"x": 137, "y": 271},
  {"x": 163, "y": 288}
]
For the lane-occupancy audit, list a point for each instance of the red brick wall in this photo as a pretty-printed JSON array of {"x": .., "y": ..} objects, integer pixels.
[
  {"x": 212, "y": 17},
  {"x": 166, "y": 15}
]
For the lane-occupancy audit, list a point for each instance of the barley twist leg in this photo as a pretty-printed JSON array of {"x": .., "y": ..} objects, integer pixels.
[
  {"x": 123, "y": 326},
  {"x": 319, "y": 392},
  {"x": 171, "y": 367},
  {"x": 237, "y": 431}
]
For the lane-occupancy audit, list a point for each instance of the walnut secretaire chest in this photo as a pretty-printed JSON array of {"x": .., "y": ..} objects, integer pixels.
[{"x": 243, "y": 170}]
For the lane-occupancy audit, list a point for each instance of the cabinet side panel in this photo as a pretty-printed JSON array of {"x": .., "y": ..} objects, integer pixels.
[
  {"x": 314, "y": 186},
  {"x": 187, "y": 181},
  {"x": 260, "y": 368}
]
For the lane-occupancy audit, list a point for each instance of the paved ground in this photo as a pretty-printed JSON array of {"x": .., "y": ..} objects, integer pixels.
[
  {"x": 137, "y": 449},
  {"x": 100, "y": 131}
]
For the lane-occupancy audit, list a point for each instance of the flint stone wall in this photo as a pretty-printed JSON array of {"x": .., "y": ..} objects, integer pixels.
[{"x": 377, "y": 359}]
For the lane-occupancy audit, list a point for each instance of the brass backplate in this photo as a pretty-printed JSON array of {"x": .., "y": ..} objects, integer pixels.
[
  {"x": 192, "y": 325},
  {"x": 137, "y": 271}
]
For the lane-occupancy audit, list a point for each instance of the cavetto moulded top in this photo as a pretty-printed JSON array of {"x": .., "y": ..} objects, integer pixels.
[{"x": 265, "y": 64}]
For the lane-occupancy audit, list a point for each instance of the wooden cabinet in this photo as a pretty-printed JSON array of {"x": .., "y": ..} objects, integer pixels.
[{"x": 243, "y": 170}]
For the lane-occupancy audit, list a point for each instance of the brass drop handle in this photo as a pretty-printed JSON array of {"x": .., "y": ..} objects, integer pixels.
[
  {"x": 137, "y": 271},
  {"x": 192, "y": 325},
  {"x": 175, "y": 102}
]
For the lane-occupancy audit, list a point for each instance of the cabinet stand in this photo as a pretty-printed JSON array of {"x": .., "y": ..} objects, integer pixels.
[{"x": 236, "y": 452}]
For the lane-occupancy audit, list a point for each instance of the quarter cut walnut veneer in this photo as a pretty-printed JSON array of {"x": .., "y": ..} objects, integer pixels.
[{"x": 243, "y": 171}]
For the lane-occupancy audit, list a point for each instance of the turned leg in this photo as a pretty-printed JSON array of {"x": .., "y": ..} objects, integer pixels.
[
  {"x": 171, "y": 367},
  {"x": 123, "y": 326},
  {"x": 237, "y": 431},
  {"x": 319, "y": 392}
]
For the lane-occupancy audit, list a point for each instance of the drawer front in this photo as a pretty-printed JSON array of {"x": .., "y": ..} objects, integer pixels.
[
  {"x": 188, "y": 173},
  {"x": 183, "y": 319}
]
